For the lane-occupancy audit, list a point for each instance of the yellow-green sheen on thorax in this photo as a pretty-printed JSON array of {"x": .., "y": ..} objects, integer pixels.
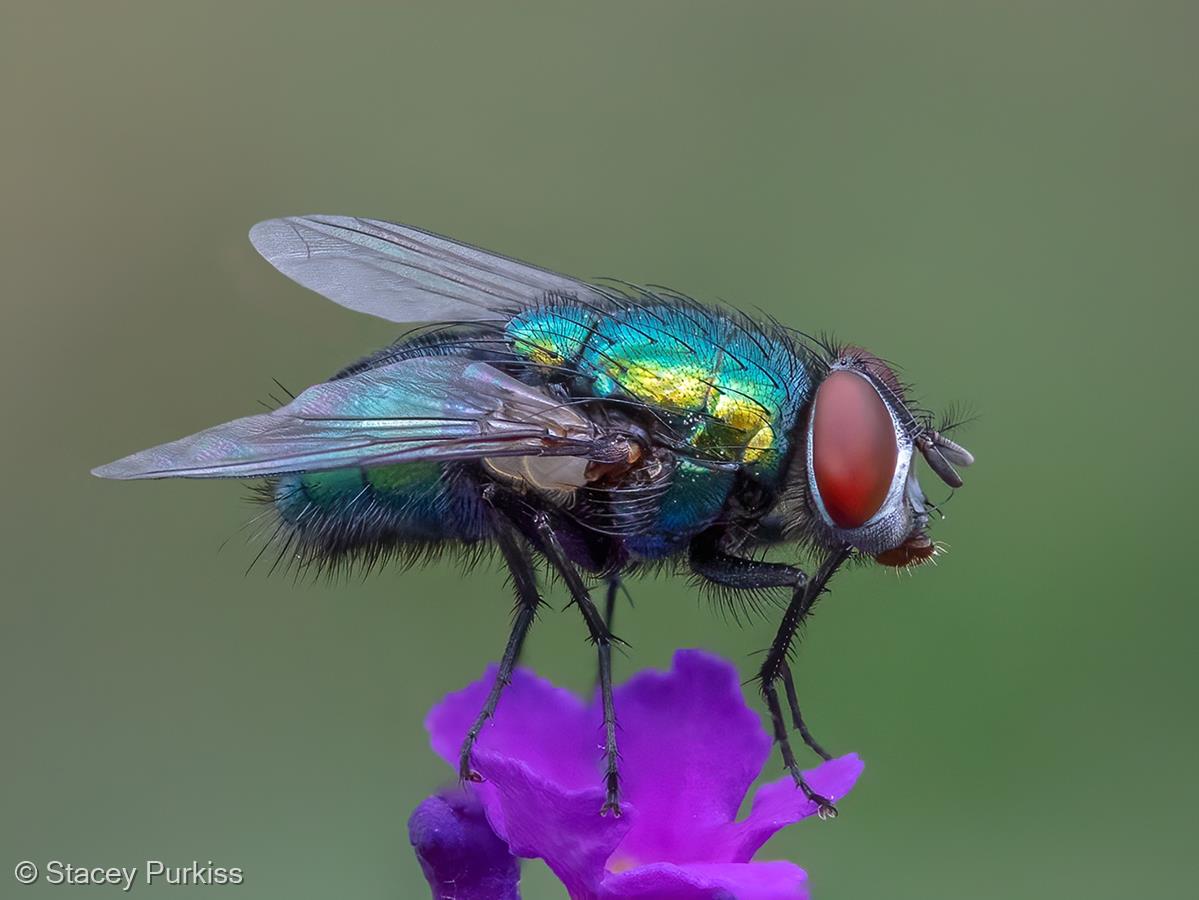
[{"x": 737, "y": 391}]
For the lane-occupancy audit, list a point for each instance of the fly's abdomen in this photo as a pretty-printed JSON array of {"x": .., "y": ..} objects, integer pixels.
[{"x": 360, "y": 511}]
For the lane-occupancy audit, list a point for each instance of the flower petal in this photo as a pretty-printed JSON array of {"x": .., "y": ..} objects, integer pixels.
[
  {"x": 548, "y": 728},
  {"x": 690, "y": 748},
  {"x": 778, "y": 804},
  {"x": 711, "y": 881},
  {"x": 539, "y": 819},
  {"x": 461, "y": 856}
]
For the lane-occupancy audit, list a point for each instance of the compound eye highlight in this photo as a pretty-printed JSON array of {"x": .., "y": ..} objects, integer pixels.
[{"x": 854, "y": 449}]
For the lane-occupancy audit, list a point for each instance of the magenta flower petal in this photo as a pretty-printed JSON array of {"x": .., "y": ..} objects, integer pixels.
[
  {"x": 461, "y": 856},
  {"x": 778, "y": 804},
  {"x": 541, "y": 820},
  {"x": 710, "y": 881},
  {"x": 690, "y": 750},
  {"x": 548, "y": 728}
]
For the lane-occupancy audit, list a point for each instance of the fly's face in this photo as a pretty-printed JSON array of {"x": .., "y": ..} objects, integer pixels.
[{"x": 861, "y": 478}]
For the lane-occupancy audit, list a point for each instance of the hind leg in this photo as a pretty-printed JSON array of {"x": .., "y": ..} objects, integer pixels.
[{"x": 528, "y": 599}]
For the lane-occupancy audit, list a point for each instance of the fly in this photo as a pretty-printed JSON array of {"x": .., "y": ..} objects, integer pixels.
[{"x": 591, "y": 428}]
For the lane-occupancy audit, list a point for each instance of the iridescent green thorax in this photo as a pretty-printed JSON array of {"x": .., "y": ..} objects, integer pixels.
[{"x": 734, "y": 390}]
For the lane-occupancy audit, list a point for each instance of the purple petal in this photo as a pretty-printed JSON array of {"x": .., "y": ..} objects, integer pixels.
[
  {"x": 461, "y": 856},
  {"x": 690, "y": 749},
  {"x": 780, "y": 803},
  {"x": 540, "y": 819},
  {"x": 711, "y": 881},
  {"x": 548, "y": 728}
]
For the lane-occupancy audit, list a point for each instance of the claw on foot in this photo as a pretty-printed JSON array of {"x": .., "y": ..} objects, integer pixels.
[
  {"x": 825, "y": 809},
  {"x": 611, "y": 805},
  {"x": 467, "y": 773},
  {"x": 824, "y": 806}
]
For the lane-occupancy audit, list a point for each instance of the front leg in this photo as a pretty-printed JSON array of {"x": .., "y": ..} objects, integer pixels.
[
  {"x": 737, "y": 573},
  {"x": 797, "y": 720},
  {"x": 774, "y": 668},
  {"x": 712, "y": 564}
]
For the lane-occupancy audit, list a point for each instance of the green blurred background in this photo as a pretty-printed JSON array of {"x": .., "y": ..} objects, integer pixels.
[{"x": 1002, "y": 197}]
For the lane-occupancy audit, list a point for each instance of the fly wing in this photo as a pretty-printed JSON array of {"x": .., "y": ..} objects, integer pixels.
[
  {"x": 425, "y": 408},
  {"x": 403, "y": 274}
]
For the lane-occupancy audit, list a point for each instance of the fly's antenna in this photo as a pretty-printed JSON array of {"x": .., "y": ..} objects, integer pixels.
[{"x": 956, "y": 415}]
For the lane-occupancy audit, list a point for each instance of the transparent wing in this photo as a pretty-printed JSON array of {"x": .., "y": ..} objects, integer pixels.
[
  {"x": 426, "y": 408},
  {"x": 403, "y": 274}
]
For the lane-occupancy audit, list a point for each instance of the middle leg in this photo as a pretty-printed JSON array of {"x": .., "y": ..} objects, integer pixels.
[
  {"x": 615, "y": 586},
  {"x": 603, "y": 640}
]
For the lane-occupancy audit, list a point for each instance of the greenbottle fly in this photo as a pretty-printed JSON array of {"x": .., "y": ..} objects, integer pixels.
[{"x": 589, "y": 428}]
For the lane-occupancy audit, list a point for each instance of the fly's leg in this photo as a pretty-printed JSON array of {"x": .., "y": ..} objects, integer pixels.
[
  {"x": 614, "y": 587},
  {"x": 714, "y": 565},
  {"x": 774, "y": 669},
  {"x": 797, "y": 721},
  {"x": 603, "y": 640},
  {"x": 524, "y": 582},
  {"x": 738, "y": 573}
]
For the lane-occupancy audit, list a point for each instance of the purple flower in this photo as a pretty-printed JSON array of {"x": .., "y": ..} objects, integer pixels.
[
  {"x": 461, "y": 856},
  {"x": 690, "y": 749}
]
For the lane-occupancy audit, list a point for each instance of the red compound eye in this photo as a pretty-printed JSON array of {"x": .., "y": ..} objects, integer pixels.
[{"x": 853, "y": 448}]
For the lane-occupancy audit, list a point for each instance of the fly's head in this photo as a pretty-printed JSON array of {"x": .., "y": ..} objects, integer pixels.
[{"x": 861, "y": 485}]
